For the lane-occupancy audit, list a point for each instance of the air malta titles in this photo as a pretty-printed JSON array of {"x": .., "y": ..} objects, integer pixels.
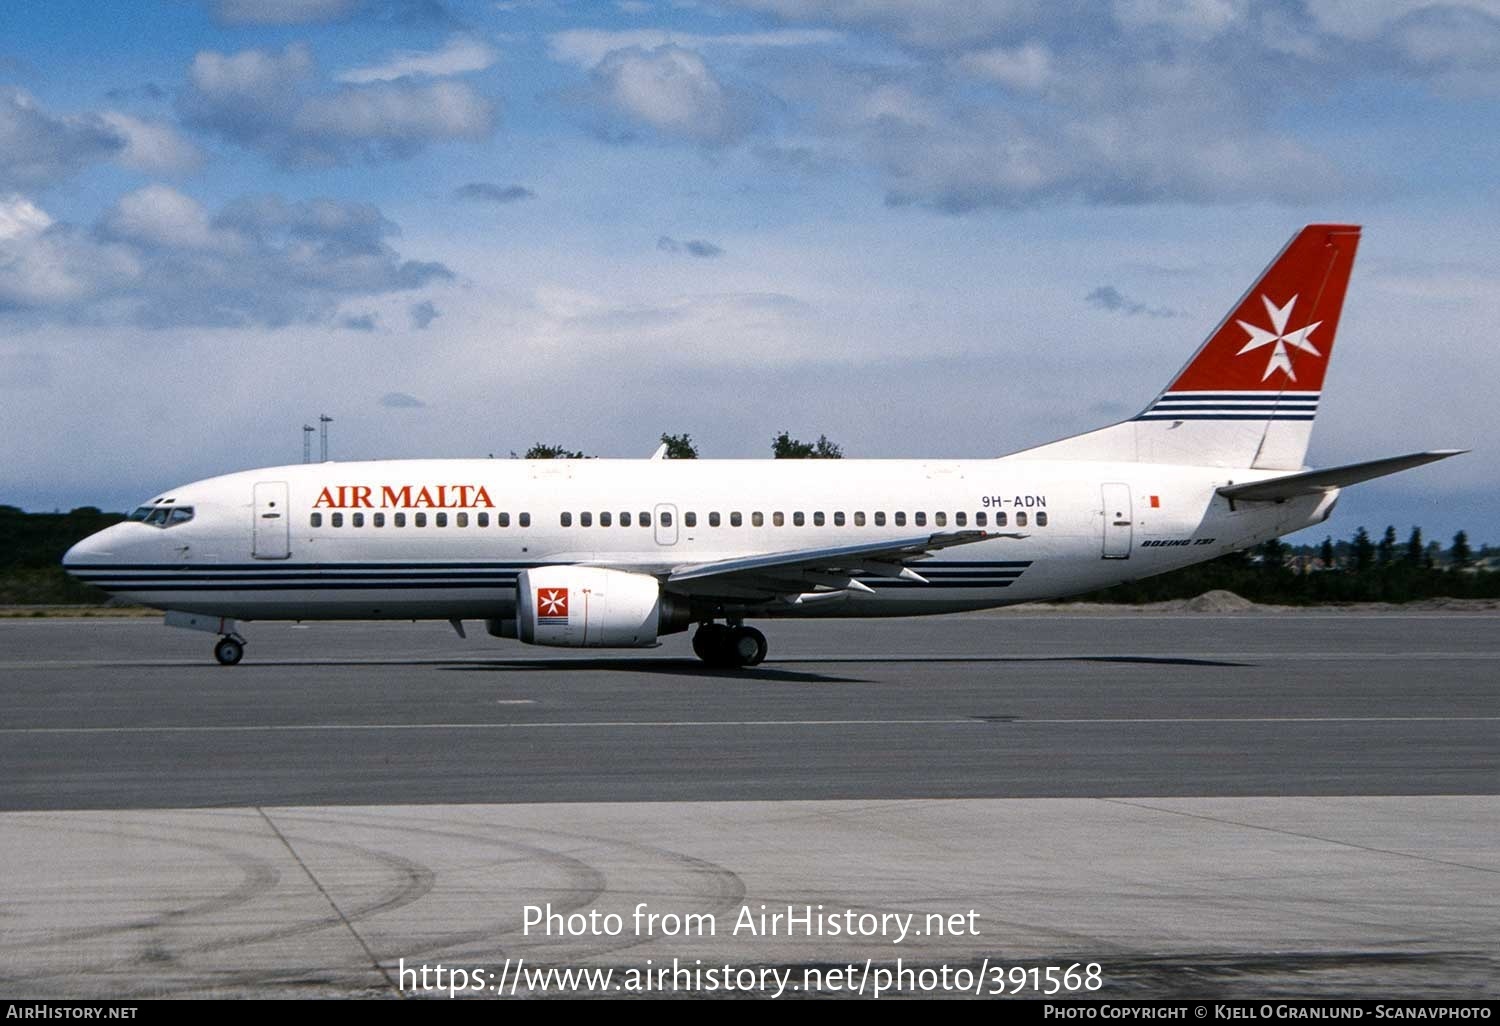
[{"x": 443, "y": 496}]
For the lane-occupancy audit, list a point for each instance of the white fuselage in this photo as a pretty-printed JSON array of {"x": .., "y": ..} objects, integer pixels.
[{"x": 282, "y": 543}]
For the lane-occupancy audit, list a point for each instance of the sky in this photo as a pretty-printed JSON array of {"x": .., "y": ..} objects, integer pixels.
[{"x": 925, "y": 229}]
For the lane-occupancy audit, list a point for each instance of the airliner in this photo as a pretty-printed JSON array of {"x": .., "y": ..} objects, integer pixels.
[{"x": 616, "y": 553}]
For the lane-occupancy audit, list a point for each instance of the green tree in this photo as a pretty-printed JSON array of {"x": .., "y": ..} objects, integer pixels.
[
  {"x": 1460, "y": 555},
  {"x": 1414, "y": 548},
  {"x": 1273, "y": 555},
  {"x": 1385, "y": 551},
  {"x": 1364, "y": 551},
  {"x": 680, "y": 447},
  {"x": 1325, "y": 554},
  {"x": 551, "y": 452},
  {"x": 785, "y": 447}
]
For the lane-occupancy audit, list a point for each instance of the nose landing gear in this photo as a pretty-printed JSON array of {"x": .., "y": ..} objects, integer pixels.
[
  {"x": 729, "y": 646},
  {"x": 231, "y": 646},
  {"x": 229, "y": 650}
]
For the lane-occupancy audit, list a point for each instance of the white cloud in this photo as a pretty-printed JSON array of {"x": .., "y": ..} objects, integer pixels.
[
  {"x": 1027, "y": 68},
  {"x": 44, "y": 264},
  {"x": 394, "y": 116},
  {"x": 158, "y": 258},
  {"x": 668, "y": 89},
  {"x": 923, "y": 23},
  {"x": 160, "y": 216},
  {"x": 574, "y": 327},
  {"x": 1192, "y": 19},
  {"x": 19, "y": 218},
  {"x": 588, "y": 47},
  {"x": 459, "y": 55},
  {"x": 152, "y": 146},
  {"x": 1367, "y": 19},
  {"x": 38, "y": 148},
  {"x": 263, "y": 100},
  {"x": 283, "y": 12}
]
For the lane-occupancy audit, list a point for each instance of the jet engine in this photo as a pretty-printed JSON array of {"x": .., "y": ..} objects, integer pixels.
[{"x": 591, "y": 607}]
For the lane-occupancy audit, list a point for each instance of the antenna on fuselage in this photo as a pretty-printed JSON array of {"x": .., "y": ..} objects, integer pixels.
[{"x": 323, "y": 421}]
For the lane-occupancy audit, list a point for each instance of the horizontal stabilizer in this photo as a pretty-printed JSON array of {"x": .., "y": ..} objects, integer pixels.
[{"x": 1313, "y": 481}]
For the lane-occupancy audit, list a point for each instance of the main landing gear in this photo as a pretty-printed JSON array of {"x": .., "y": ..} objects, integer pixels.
[
  {"x": 729, "y": 646},
  {"x": 229, "y": 650}
]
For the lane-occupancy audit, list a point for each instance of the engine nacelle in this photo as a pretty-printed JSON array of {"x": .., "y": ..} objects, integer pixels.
[{"x": 591, "y": 607}]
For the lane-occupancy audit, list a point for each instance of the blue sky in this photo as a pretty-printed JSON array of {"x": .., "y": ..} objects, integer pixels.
[{"x": 463, "y": 227}]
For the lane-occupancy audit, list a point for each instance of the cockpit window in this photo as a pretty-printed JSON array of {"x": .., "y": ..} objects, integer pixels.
[{"x": 162, "y": 516}]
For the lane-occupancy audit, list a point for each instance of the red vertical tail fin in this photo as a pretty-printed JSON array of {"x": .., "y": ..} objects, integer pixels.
[
  {"x": 1248, "y": 396},
  {"x": 1279, "y": 335}
]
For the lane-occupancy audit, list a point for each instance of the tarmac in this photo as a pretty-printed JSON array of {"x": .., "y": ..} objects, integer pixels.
[{"x": 1247, "y": 805}]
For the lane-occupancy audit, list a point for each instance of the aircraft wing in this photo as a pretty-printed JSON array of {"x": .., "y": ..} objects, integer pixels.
[
  {"x": 804, "y": 570},
  {"x": 1310, "y": 482}
]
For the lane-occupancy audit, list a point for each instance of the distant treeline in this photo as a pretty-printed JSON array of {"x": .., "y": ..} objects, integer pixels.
[
  {"x": 1358, "y": 570},
  {"x": 31, "y": 551}
]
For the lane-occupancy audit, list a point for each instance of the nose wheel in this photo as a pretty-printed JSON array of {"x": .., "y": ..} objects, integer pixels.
[
  {"x": 720, "y": 645},
  {"x": 229, "y": 650}
]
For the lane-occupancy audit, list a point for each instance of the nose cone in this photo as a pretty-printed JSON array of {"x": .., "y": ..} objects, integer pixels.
[{"x": 92, "y": 550}]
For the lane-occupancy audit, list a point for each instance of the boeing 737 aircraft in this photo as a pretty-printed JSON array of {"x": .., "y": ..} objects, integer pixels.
[{"x": 616, "y": 553}]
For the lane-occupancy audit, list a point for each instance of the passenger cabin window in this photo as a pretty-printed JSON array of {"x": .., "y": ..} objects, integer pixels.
[
  {"x": 606, "y": 519},
  {"x": 960, "y": 520},
  {"x": 1041, "y": 520},
  {"x": 378, "y": 519},
  {"x": 940, "y": 519},
  {"x": 442, "y": 520},
  {"x": 625, "y": 518},
  {"x": 1001, "y": 518},
  {"x": 981, "y": 519},
  {"x": 316, "y": 520},
  {"x": 798, "y": 520},
  {"x": 756, "y": 520},
  {"x": 358, "y": 519},
  {"x": 778, "y": 519},
  {"x": 585, "y": 520},
  {"x": 880, "y": 519},
  {"x": 502, "y": 519},
  {"x": 838, "y": 520},
  {"x": 482, "y": 519},
  {"x": 735, "y": 519},
  {"x": 713, "y": 520},
  {"x": 566, "y": 519},
  {"x": 690, "y": 519},
  {"x": 645, "y": 519},
  {"x": 921, "y": 519},
  {"x": 525, "y": 519},
  {"x": 666, "y": 518},
  {"x": 421, "y": 520},
  {"x": 399, "y": 519},
  {"x": 462, "y": 519},
  {"x": 1021, "y": 519},
  {"x": 901, "y": 519},
  {"x": 338, "y": 520},
  {"x": 859, "y": 519}
]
